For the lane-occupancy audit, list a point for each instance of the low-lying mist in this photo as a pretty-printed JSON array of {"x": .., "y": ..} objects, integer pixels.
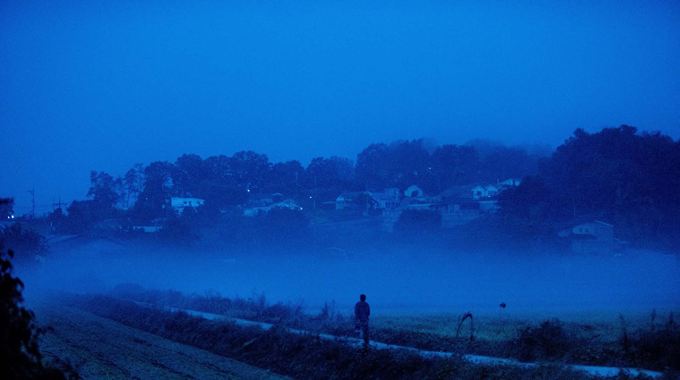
[{"x": 396, "y": 281}]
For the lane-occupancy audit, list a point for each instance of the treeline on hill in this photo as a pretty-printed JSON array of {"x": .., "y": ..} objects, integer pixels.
[
  {"x": 226, "y": 182},
  {"x": 618, "y": 175}
]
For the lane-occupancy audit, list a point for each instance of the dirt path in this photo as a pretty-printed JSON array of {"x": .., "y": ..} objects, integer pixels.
[{"x": 100, "y": 348}]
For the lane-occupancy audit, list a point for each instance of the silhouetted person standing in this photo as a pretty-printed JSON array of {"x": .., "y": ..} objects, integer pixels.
[{"x": 361, "y": 313}]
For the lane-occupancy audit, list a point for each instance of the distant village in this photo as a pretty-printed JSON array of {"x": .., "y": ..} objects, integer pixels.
[
  {"x": 591, "y": 195},
  {"x": 456, "y": 206}
]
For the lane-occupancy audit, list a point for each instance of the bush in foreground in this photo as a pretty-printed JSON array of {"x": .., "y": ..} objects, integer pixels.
[{"x": 20, "y": 356}]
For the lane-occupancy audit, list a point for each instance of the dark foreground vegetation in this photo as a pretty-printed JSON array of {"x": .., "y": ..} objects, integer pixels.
[
  {"x": 653, "y": 346},
  {"x": 297, "y": 355},
  {"x": 20, "y": 356}
]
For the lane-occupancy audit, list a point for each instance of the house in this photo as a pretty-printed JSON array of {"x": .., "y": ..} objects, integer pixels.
[
  {"x": 480, "y": 192},
  {"x": 413, "y": 191},
  {"x": 510, "y": 182},
  {"x": 179, "y": 203},
  {"x": 351, "y": 200},
  {"x": 265, "y": 199},
  {"x": 594, "y": 236},
  {"x": 386, "y": 200},
  {"x": 155, "y": 226},
  {"x": 147, "y": 229},
  {"x": 262, "y": 210}
]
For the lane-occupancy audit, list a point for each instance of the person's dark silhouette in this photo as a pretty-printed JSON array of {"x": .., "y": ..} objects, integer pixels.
[{"x": 361, "y": 313}]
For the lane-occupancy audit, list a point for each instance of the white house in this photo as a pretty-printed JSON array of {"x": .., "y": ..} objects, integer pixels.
[
  {"x": 386, "y": 200},
  {"x": 147, "y": 229},
  {"x": 594, "y": 236},
  {"x": 350, "y": 200},
  {"x": 155, "y": 226},
  {"x": 179, "y": 204},
  {"x": 596, "y": 229},
  {"x": 510, "y": 182},
  {"x": 261, "y": 210},
  {"x": 413, "y": 191},
  {"x": 481, "y": 192}
]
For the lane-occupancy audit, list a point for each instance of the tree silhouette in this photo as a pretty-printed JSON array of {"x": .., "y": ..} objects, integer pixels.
[{"x": 20, "y": 356}]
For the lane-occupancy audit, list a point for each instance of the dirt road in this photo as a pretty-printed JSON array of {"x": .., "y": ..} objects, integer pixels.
[{"x": 100, "y": 348}]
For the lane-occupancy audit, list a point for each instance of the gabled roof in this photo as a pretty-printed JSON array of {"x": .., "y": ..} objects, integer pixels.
[
  {"x": 595, "y": 222},
  {"x": 566, "y": 227},
  {"x": 351, "y": 194}
]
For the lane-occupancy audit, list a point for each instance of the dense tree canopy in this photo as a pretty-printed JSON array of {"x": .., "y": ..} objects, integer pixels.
[
  {"x": 228, "y": 181},
  {"x": 617, "y": 175}
]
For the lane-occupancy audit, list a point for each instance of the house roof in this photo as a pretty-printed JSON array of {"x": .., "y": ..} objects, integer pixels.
[
  {"x": 350, "y": 195},
  {"x": 485, "y": 188},
  {"x": 594, "y": 222},
  {"x": 511, "y": 182},
  {"x": 566, "y": 227}
]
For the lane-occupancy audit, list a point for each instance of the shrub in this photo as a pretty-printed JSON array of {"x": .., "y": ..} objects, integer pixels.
[
  {"x": 548, "y": 341},
  {"x": 653, "y": 347},
  {"x": 26, "y": 242},
  {"x": 20, "y": 356}
]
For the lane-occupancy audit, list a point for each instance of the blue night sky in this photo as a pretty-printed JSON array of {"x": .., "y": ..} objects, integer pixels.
[{"x": 102, "y": 85}]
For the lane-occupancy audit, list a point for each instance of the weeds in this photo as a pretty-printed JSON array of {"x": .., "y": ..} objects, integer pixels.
[
  {"x": 299, "y": 356},
  {"x": 653, "y": 345},
  {"x": 548, "y": 341}
]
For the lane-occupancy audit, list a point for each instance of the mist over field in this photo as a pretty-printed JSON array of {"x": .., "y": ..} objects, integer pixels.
[
  {"x": 397, "y": 280},
  {"x": 211, "y": 189}
]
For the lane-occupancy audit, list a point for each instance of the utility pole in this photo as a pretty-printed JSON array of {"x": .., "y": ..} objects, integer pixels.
[
  {"x": 32, "y": 192},
  {"x": 57, "y": 205}
]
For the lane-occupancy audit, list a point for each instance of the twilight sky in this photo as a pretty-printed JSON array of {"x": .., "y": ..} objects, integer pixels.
[{"x": 105, "y": 84}]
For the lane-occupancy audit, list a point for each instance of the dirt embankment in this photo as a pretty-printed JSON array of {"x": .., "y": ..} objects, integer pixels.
[{"x": 101, "y": 348}]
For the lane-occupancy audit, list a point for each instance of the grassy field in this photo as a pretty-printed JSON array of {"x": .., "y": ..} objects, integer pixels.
[
  {"x": 645, "y": 341},
  {"x": 501, "y": 328},
  {"x": 302, "y": 355}
]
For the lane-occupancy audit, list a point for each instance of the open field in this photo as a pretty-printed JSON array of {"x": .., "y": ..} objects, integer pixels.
[
  {"x": 602, "y": 327},
  {"x": 101, "y": 348},
  {"x": 589, "y": 331},
  {"x": 305, "y": 355},
  {"x": 649, "y": 341}
]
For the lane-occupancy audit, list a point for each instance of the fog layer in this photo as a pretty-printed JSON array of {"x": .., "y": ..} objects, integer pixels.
[{"x": 396, "y": 282}]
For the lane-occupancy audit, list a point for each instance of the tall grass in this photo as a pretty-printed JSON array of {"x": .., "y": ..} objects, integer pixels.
[
  {"x": 301, "y": 356},
  {"x": 655, "y": 345}
]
